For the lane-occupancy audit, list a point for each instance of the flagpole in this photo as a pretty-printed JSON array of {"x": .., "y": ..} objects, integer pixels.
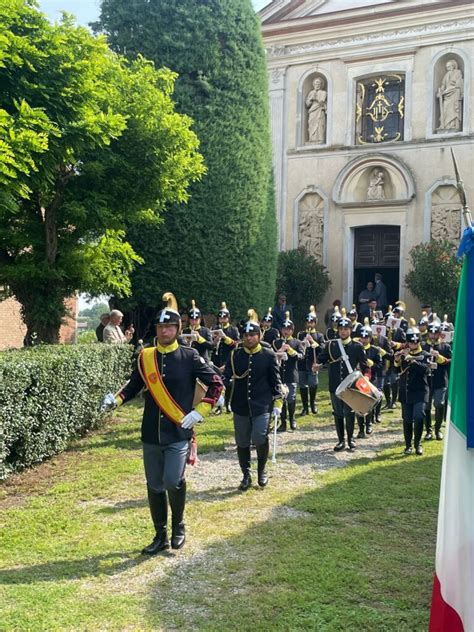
[{"x": 462, "y": 194}]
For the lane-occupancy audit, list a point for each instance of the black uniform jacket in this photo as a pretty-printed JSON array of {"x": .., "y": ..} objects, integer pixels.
[
  {"x": 289, "y": 367},
  {"x": 204, "y": 346},
  {"x": 413, "y": 385},
  {"x": 386, "y": 353},
  {"x": 311, "y": 353},
  {"x": 439, "y": 376},
  {"x": 374, "y": 360},
  {"x": 179, "y": 369},
  {"x": 256, "y": 381},
  {"x": 270, "y": 335},
  {"x": 221, "y": 352},
  {"x": 337, "y": 367}
]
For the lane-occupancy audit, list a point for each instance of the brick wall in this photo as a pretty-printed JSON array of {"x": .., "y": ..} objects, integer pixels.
[{"x": 13, "y": 330}]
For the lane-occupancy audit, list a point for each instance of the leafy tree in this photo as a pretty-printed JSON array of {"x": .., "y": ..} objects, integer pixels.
[
  {"x": 89, "y": 144},
  {"x": 304, "y": 280},
  {"x": 92, "y": 314},
  {"x": 222, "y": 244},
  {"x": 434, "y": 275}
]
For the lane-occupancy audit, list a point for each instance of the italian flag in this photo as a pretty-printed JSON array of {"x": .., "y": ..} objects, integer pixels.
[{"x": 452, "y": 608}]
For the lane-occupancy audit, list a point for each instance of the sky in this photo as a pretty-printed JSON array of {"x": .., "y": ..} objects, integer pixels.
[{"x": 88, "y": 10}]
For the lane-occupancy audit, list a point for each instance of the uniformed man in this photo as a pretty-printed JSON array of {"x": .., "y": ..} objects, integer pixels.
[
  {"x": 379, "y": 372},
  {"x": 270, "y": 333},
  {"x": 289, "y": 351},
  {"x": 413, "y": 365},
  {"x": 224, "y": 336},
  {"x": 374, "y": 356},
  {"x": 423, "y": 327},
  {"x": 313, "y": 342},
  {"x": 338, "y": 371},
  {"x": 356, "y": 325},
  {"x": 398, "y": 312},
  {"x": 437, "y": 379},
  {"x": 168, "y": 373},
  {"x": 396, "y": 338},
  {"x": 256, "y": 394},
  {"x": 332, "y": 330},
  {"x": 196, "y": 335}
]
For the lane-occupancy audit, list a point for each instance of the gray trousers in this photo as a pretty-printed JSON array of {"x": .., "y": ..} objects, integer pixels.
[
  {"x": 251, "y": 429},
  {"x": 165, "y": 465}
]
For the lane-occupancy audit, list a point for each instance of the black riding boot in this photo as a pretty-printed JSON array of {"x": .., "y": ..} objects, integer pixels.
[
  {"x": 177, "y": 498},
  {"x": 227, "y": 394},
  {"x": 428, "y": 427},
  {"x": 282, "y": 426},
  {"x": 341, "y": 444},
  {"x": 159, "y": 514},
  {"x": 418, "y": 433},
  {"x": 439, "y": 417},
  {"x": 262, "y": 456},
  {"x": 387, "y": 391},
  {"x": 377, "y": 417},
  {"x": 394, "y": 394},
  {"x": 350, "y": 423},
  {"x": 291, "y": 414},
  {"x": 369, "y": 420},
  {"x": 408, "y": 434},
  {"x": 304, "y": 401},
  {"x": 312, "y": 399},
  {"x": 244, "y": 462},
  {"x": 361, "y": 424}
]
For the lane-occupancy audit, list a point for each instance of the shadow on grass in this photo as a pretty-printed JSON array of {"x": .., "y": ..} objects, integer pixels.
[
  {"x": 108, "y": 564},
  {"x": 357, "y": 553}
]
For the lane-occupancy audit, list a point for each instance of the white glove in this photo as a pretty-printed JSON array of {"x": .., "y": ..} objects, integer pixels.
[
  {"x": 191, "y": 419},
  {"x": 220, "y": 401},
  {"x": 108, "y": 403},
  {"x": 276, "y": 412}
]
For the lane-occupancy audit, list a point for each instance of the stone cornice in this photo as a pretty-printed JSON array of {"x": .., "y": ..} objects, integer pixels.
[{"x": 333, "y": 44}]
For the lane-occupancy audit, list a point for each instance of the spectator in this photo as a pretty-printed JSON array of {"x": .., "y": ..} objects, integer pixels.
[
  {"x": 113, "y": 333},
  {"x": 279, "y": 311},
  {"x": 104, "y": 321},
  {"x": 364, "y": 297},
  {"x": 380, "y": 293},
  {"x": 330, "y": 311}
]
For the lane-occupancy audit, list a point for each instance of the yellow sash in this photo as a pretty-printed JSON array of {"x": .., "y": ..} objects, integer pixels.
[{"x": 150, "y": 372}]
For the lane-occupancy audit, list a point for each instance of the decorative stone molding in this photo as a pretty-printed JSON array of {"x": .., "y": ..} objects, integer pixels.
[
  {"x": 373, "y": 38},
  {"x": 355, "y": 185}
]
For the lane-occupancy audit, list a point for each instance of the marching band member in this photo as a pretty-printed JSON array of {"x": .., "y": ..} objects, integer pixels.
[
  {"x": 225, "y": 336},
  {"x": 374, "y": 356},
  {"x": 168, "y": 373},
  {"x": 256, "y": 394},
  {"x": 270, "y": 333},
  {"x": 379, "y": 372},
  {"x": 396, "y": 338},
  {"x": 338, "y": 371},
  {"x": 413, "y": 365},
  {"x": 332, "y": 331},
  {"x": 313, "y": 341},
  {"x": 290, "y": 350},
  {"x": 356, "y": 325},
  {"x": 202, "y": 340},
  {"x": 438, "y": 380},
  {"x": 423, "y": 327}
]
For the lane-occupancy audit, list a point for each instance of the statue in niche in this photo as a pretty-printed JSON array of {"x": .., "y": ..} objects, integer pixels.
[
  {"x": 316, "y": 102},
  {"x": 311, "y": 225},
  {"x": 375, "y": 190},
  {"x": 450, "y": 95}
]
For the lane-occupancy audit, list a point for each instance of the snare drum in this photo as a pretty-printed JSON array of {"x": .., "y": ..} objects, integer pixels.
[{"x": 358, "y": 393}]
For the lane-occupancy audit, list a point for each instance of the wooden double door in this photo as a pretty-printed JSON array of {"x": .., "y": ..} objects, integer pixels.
[{"x": 377, "y": 249}]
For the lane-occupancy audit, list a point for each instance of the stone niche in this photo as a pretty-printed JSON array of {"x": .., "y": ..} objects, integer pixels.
[
  {"x": 446, "y": 214},
  {"x": 375, "y": 179},
  {"x": 314, "y": 116},
  {"x": 448, "y": 94},
  {"x": 311, "y": 225}
]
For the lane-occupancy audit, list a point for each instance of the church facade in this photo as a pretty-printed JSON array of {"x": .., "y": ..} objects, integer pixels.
[{"x": 367, "y": 99}]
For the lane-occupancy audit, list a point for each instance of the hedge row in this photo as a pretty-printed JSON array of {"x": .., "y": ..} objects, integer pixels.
[{"x": 51, "y": 394}]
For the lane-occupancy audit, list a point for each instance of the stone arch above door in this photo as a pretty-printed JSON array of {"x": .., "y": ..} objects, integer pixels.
[{"x": 374, "y": 179}]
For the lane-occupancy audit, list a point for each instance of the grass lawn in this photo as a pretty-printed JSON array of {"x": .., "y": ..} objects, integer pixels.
[{"x": 348, "y": 549}]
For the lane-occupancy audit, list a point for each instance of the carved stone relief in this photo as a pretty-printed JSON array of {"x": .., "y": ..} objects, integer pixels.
[
  {"x": 311, "y": 225},
  {"x": 376, "y": 188},
  {"x": 446, "y": 214}
]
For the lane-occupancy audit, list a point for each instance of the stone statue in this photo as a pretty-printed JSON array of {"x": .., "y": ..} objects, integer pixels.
[
  {"x": 375, "y": 189},
  {"x": 311, "y": 225},
  {"x": 317, "y": 106},
  {"x": 450, "y": 95}
]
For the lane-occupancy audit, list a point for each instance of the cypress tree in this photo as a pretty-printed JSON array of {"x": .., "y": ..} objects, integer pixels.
[{"x": 222, "y": 244}]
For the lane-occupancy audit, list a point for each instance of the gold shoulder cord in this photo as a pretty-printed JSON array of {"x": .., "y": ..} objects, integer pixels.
[
  {"x": 331, "y": 356},
  {"x": 234, "y": 374}
]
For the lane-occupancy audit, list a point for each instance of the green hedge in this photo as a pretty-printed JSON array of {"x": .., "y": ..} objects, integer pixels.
[{"x": 51, "y": 394}]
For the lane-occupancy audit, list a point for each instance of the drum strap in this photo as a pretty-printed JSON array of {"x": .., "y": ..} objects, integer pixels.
[{"x": 344, "y": 355}]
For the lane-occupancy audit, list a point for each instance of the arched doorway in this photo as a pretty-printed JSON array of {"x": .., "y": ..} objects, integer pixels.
[{"x": 377, "y": 249}]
